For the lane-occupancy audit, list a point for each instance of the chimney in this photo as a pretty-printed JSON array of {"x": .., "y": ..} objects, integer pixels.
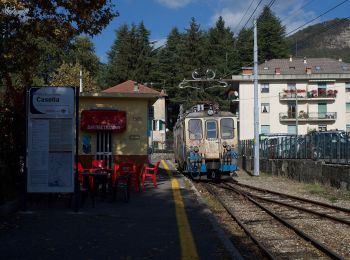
[
  {"x": 136, "y": 87},
  {"x": 247, "y": 71},
  {"x": 304, "y": 60},
  {"x": 277, "y": 71},
  {"x": 308, "y": 70},
  {"x": 290, "y": 58}
]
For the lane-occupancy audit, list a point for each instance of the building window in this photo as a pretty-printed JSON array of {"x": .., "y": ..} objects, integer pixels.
[
  {"x": 348, "y": 128},
  {"x": 347, "y": 107},
  {"x": 154, "y": 127},
  {"x": 265, "y": 129},
  {"x": 265, "y": 107},
  {"x": 265, "y": 88},
  {"x": 322, "y": 128},
  {"x": 211, "y": 129},
  {"x": 195, "y": 129},
  {"x": 347, "y": 86},
  {"x": 291, "y": 86}
]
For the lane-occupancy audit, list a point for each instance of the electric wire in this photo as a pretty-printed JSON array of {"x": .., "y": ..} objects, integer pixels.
[
  {"x": 310, "y": 21},
  {"x": 252, "y": 14},
  {"x": 246, "y": 11},
  {"x": 346, "y": 19}
]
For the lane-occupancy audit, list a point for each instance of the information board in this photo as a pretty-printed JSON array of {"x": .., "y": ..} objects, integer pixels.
[{"x": 50, "y": 139}]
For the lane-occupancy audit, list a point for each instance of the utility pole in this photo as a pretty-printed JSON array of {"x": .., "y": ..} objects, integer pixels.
[
  {"x": 81, "y": 80},
  {"x": 256, "y": 106}
]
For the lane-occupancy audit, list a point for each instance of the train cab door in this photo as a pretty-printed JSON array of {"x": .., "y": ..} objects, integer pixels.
[{"x": 211, "y": 140}]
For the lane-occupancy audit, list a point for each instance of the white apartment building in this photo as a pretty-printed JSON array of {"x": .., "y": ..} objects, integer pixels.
[
  {"x": 159, "y": 127},
  {"x": 295, "y": 96}
]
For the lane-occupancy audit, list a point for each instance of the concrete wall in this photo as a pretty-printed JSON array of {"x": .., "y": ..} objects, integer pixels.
[{"x": 307, "y": 171}]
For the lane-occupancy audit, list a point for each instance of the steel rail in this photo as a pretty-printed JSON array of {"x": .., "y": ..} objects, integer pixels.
[
  {"x": 241, "y": 224},
  {"x": 341, "y": 220},
  {"x": 294, "y": 197},
  {"x": 315, "y": 242}
]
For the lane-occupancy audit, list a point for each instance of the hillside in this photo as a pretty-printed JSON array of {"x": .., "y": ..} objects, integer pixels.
[{"x": 330, "y": 39}]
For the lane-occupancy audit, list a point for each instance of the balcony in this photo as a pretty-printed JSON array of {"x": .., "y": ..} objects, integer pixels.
[
  {"x": 307, "y": 117},
  {"x": 303, "y": 95}
]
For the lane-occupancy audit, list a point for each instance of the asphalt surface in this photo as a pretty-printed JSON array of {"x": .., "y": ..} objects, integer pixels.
[{"x": 144, "y": 228}]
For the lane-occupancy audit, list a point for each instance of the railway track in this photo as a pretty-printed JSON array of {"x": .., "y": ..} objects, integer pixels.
[{"x": 287, "y": 227}]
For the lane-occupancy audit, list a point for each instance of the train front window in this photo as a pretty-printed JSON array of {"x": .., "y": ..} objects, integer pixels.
[
  {"x": 195, "y": 129},
  {"x": 227, "y": 128},
  {"x": 211, "y": 129}
]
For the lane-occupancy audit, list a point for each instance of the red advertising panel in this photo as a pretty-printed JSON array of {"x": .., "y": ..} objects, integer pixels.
[{"x": 92, "y": 120}]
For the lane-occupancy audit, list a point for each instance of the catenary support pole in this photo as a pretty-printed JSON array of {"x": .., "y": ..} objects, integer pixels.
[{"x": 256, "y": 106}]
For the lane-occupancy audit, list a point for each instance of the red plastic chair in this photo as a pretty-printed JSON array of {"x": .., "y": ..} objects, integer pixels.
[
  {"x": 122, "y": 179},
  {"x": 133, "y": 170},
  {"x": 98, "y": 164},
  {"x": 150, "y": 172}
]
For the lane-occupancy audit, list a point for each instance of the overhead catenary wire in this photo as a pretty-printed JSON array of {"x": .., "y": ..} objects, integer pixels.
[
  {"x": 245, "y": 13},
  {"x": 344, "y": 20},
  {"x": 310, "y": 21},
  {"x": 252, "y": 14}
]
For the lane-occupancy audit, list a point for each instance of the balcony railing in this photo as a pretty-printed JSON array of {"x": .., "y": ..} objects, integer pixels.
[
  {"x": 313, "y": 116},
  {"x": 301, "y": 94}
]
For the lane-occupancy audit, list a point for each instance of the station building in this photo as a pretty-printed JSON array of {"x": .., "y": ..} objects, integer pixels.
[
  {"x": 296, "y": 96},
  {"x": 115, "y": 124}
]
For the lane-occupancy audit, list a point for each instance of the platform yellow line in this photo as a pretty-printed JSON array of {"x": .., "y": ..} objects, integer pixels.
[{"x": 188, "y": 246}]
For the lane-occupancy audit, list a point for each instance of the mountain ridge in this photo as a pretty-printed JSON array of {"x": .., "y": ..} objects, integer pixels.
[{"x": 329, "y": 39}]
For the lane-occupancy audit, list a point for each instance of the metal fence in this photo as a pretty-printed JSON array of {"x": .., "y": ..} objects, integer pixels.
[{"x": 331, "y": 147}]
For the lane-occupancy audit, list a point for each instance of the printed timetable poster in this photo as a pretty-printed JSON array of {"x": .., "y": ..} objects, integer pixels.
[{"x": 50, "y": 135}]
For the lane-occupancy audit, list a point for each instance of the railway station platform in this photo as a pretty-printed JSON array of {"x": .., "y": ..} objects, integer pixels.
[{"x": 166, "y": 222}]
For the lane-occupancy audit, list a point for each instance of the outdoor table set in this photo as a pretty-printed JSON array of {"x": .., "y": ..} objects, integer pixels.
[{"x": 99, "y": 179}]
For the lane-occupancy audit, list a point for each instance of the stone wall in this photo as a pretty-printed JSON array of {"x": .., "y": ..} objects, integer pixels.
[{"x": 308, "y": 171}]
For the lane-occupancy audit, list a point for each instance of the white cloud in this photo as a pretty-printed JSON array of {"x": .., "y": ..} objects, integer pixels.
[
  {"x": 157, "y": 43},
  {"x": 174, "y": 3},
  {"x": 289, "y": 12}
]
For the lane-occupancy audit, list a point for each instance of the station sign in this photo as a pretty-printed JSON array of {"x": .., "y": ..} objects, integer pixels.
[{"x": 50, "y": 139}]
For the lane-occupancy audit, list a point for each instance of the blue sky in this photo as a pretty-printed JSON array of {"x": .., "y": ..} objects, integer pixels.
[{"x": 160, "y": 16}]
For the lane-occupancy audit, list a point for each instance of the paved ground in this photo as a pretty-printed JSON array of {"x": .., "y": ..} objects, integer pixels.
[{"x": 144, "y": 228}]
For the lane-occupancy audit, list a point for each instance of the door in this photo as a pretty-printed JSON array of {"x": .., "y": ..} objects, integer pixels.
[
  {"x": 322, "y": 110},
  {"x": 104, "y": 147},
  {"x": 291, "y": 110},
  {"x": 212, "y": 146}
]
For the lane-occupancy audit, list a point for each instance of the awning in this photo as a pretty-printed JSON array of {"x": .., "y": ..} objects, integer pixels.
[{"x": 113, "y": 120}]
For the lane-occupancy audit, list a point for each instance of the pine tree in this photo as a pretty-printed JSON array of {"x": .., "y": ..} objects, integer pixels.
[
  {"x": 83, "y": 52},
  {"x": 244, "y": 47},
  {"x": 271, "y": 41},
  {"x": 221, "y": 53},
  {"x": 118, "y": 65}
]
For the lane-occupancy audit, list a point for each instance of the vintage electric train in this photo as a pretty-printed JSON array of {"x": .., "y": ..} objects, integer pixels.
[{"x": 205, "y": 139}]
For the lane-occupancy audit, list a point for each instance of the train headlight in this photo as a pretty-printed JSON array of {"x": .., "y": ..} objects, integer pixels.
[
  {"x": 228, "y": 147},
  {"x": 196, "y": 149},
  {"x": 224, "y": 144},
  {"x": 210, "y": 112}
]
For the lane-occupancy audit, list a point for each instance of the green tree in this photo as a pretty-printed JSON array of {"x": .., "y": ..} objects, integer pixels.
[
  {"x": 130, "y": 56},
  {"x": 193, "y": 54},
  {"x": 244, "y": 47},
  {"x": 271, "y": 41},
  {"x": 69, "y": 75},
  {"x": 23, "y": 22},
  {"x": 221, "y": 54},
  {"x": 83, "y": 52}
]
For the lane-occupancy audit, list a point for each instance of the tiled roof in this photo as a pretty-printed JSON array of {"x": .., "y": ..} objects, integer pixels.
[
  {"x": 297, "y": 66},
  {"x": 128, "y": 87}
]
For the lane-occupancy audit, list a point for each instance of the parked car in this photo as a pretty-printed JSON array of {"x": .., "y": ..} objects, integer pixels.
[{"x": 327, "y": 144}]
